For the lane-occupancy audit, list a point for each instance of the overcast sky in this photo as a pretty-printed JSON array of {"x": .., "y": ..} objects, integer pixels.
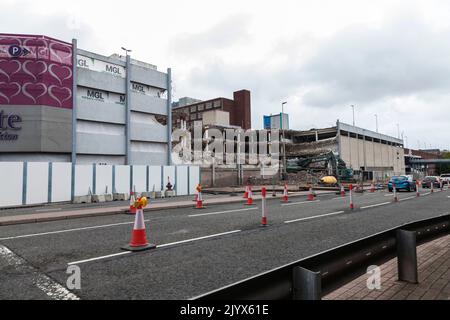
[{"x": 390, "y": 58}]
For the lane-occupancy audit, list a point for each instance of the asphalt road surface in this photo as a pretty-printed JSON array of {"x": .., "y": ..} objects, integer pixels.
[{"x": 198, "y": 250}]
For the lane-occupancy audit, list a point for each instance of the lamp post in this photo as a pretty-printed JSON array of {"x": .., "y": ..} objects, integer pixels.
[
  {"x": 126, "y": 51},
  {"x": 376, "y": 122},
  {"x": 353, "y": 109},
  {"x": 284, "y": 142}
]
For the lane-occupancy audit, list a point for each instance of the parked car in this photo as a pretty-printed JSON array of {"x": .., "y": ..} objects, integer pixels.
[
  {"x": 402, "y": 183},
  {"x": 427, "y": 181},
  {"x": 445, "y": 178}
]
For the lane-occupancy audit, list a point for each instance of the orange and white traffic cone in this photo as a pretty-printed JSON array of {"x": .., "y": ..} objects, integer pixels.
[
  {"x": 264, "y": 217},
  {"x": 342, "y": 191},
  {"x": 246, "y": 192},
  {"x": 352, "y": 206},
  {"x": 139, "y": 240},
  {"x": 417, "y": 189},
  {"x": 285, "y": 194},
  {"x": 199, "y": 201},
  {"x": 394, "y": 189},
  {"x": 310, "y": 194},
  {"x": 432, "y": 186},
  {"x": 132, "y": 201},
  {"x": 372, "y": 188},
  {"x": 250, "y": 197}
]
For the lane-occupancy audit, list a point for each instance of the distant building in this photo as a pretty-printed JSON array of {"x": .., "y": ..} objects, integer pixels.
[
  {"x": 238, "y": 109},
  {"x": 185, "y": 101}
]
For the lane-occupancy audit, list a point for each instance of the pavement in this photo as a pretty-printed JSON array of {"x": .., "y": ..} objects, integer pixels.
[
  {"x": 434, "y": 278},
  {"x": 197, "y": 250}
]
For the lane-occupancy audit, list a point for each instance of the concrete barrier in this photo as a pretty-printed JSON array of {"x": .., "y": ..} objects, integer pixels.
[
  {"x": 82, "y": 199},
  {"x": 109, "y": 197},
  {"x": 170, "y": 194},
  {"x": 98, "y": 198},
  {"x": 121, "y": 197}
]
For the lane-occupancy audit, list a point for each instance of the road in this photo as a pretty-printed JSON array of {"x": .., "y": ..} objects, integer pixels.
[{"x": 198, "y": 250}]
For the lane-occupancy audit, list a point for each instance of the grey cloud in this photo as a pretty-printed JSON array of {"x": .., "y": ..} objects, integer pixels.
[
  {"x": 364, "y": 65},
  {"x": 62, "y": 26},
  {"x": 225, "y": 33}
]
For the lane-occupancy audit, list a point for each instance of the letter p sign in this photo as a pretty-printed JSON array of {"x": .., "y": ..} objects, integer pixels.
[{"x": 15, "y": 51}]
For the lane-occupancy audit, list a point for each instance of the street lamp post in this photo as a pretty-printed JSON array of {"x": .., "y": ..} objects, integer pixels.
[
  {"x": 376, "y": 122},
  {"x": 284, "y": 142},
  {"x": 353, "y": 109}
]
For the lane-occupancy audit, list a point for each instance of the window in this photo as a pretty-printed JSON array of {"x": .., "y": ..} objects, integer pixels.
[
  {"x": 217, "y": 104},
  {"x": 209, "y": 105},
  {"x": 193, "y": 116},
  {"x": 194, "y": 109},
  {"x": 201, "y": 107}
]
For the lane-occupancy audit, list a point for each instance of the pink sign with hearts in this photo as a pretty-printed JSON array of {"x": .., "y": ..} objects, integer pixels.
[{"x": 35, "y": 70}]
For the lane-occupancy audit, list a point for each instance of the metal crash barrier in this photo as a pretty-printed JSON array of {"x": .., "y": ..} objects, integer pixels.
[{"x": 315, "y": 276}]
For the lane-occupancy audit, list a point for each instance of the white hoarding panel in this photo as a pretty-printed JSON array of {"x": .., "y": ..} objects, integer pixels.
[
  {"x": 123, "y": 179},
  {"x": 103, "y": 183},
  {"x": 194, "y": 179},
  {"x": 83, "y": 179},
  {"x": 140, "y": 178},
  {"x": 154, "y": 178},
  {"x": 37, "y": 182},
  {"x": 11, "y": 176},
  {"x": 61, "y": 181},
  {"x": 182, "y": 183}
]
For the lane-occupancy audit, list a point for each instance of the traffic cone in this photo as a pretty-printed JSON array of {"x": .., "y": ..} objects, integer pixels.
[
  {"x": 250, "y": 197},
  {"x": 432, "y": 187},
  {"x": 395, "y": 193},
  {"x": 417, "y": 189},
  {"x": 285, "y": 194},
  {"x": 132, "y": 201},
  {"x": 310, "y": 194},
  {"x": 264, "y": 217},
  {"x": 372, "y": 188},
  {"x": 351, "y": 197},
  {"x": 199, "y": 201},
  {"x": 246, "y": 192},
  {"x": 139, "y": 235},
  {"x": 342, "y": 191}
]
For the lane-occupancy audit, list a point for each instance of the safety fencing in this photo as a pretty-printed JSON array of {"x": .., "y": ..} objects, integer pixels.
[
  {"x": 30, "y": 183},
  {"x": 315, "y": 276}
]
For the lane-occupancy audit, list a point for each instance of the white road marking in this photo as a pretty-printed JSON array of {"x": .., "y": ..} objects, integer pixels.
[
  {"x": 315, "y": 217},
  {"x": 197, "y": 239},
  {"x": 295, "y": 203},
  {"x": 376, "y": 205},
  {"x": 220, "y": 212},
  {"x": 408, "y": 198},
  {"x": 388, "y": 195},
  {"x": 67, "y": 230},
  {"x": 339, "y": 198},
  {"x": 44, "y": 283},
  {"x": 48, "y": 210},
  {"x": 99, "y": 258},
  {"x": 159, "y": 246}
]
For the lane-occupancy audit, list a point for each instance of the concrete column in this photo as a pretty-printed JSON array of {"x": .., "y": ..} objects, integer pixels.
[
  {"x": 74, "y": 101},
  {"x": 128, "y": 112},
  {"x": 74, "y": 113},
  {"x": 169, "y": 116}
]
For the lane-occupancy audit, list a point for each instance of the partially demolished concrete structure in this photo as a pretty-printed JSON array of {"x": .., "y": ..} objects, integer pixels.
[{"x": 345, "y": 151}]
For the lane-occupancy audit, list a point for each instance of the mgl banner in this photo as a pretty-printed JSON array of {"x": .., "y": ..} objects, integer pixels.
[{"x": 35, "y": 70}]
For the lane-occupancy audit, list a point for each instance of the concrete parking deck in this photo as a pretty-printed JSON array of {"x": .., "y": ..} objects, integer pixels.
[{"x": 434, "y": 278}]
